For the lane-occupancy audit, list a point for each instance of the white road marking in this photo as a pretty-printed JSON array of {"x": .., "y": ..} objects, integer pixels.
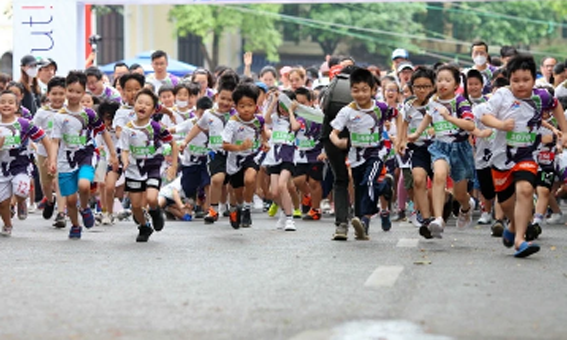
[
  {"x": 384, "y": 276},
  {"x": 407, "y": 243}
]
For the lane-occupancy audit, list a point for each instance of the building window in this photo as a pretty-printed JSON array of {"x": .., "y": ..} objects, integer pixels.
[
  {"x": 110, "y": 26},
  {"x": 189, "y": 50}
]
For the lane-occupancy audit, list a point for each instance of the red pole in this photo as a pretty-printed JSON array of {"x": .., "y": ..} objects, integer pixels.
[{"x": 88, "y": 29}]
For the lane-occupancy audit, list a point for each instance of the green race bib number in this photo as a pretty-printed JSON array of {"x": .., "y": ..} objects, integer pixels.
[
  {"x": 255, "y": 144},
  {"x": 520, "y": 139},
  {"x": 11, "y": 142},
  {"x": 198, "y": 150},
  {"x": 364, "y": 139},
  {"x": 73, "y": 140},
  {"x": 215, "y": 141},
  {"x": 142, "y": 151},
  {"x": 444, "y": 127},
  {"x": 50, "y": 125},
  {"x": 279, "y": 137},
  {"x": 305, "y": 144}
]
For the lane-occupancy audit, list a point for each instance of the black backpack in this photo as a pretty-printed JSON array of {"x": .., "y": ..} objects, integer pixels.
[{"x": 335, "y": 98}]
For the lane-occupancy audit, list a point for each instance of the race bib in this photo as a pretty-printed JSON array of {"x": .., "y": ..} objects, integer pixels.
[
  {"x": 520, "y": 139},
  {"x": 305, "y": 144},
  {"x": 198, "y": 150},
  {"x": 444, "y": 127},
  {"x": 215, "y": 141},
  {"x": 142, "y": 151},
  {"x": 281, "y": 137},
  {"x": 364, "y": 139},
  {"x": 11, "y": 142},
  {"x": 74, "y": 140}
]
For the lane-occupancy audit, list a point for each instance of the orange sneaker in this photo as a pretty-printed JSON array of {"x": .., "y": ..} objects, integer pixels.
[
  {"x": 234, "y": 217},
  {"x": 312, "y": 215},
  {"x": 212, "y": 216}
]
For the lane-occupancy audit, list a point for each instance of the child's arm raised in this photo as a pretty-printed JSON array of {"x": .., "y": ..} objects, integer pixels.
[{"x": 293, "y": 123}]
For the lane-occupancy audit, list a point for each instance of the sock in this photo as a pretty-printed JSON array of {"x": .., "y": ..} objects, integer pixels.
[
  {"x": 289, "y": 217},
  {"x": 538, "y": 218}
]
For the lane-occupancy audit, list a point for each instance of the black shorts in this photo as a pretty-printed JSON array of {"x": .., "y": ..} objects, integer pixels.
[
  {"x": 311, "y": 170},
  {"x": 421, "y": 158},
  {"x": 119, "y": 172},
  {"x": 277, "y": 169},
  {"x": 486, "y": 183},
  {"x": 217, "y": 163},
  {"x": 133, "y": 185},
  {"x": 545, "y": 178},
  {"x": 237, "y": 180}
]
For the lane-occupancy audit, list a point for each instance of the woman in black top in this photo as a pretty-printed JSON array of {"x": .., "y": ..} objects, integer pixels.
[{"x": 28, "y": 73}]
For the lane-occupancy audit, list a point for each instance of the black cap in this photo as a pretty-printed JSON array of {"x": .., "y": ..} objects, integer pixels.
[
  {"x": 44, "y": 62},
  {"x": 28, "y": 60}
]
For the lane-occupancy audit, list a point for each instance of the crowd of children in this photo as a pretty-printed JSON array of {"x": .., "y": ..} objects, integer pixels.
[{"x": 439, "y": 142}]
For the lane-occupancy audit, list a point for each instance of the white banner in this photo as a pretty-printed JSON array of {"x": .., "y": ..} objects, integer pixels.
[{"x": 49, "y": 29}]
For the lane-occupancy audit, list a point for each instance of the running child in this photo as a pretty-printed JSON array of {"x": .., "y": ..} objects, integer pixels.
[
  {"x": 15, "y": 134},
  {"x": 141, "y": 147},
  {"x": 451, "y": 152},
  {"x": 516, "y": 113},
  {"x": 74, "y": 128}
]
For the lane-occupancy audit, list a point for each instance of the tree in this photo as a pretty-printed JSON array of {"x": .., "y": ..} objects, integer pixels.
[
  {"x": 210, "y": 22},
  {"x": 333, "y": 24}
]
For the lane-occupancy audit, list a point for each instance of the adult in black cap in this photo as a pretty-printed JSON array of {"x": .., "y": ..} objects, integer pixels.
[
  {"x": 47, "y": 70},
  {"x": 28, "y": 74}
]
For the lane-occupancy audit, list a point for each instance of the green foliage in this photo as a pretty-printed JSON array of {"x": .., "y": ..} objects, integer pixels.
[
  {"x": 259, "y": 32},
  {"x": 391, "y": 17}
]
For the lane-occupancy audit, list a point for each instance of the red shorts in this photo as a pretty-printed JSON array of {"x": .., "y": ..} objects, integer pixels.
[{"x": 504, "y": 179}]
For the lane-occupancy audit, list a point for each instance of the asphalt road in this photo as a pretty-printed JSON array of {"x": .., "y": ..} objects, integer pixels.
[{"x": 193, "y": 281}]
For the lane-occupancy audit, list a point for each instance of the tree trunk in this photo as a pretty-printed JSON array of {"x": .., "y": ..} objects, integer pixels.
[
  {"x": 206, "y": 54},
  {"x": 216, "y": 43},
  {"x": 328, "y": 46}
]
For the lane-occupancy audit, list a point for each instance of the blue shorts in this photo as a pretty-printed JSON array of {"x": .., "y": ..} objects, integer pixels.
[
  {"x": 69, "y": 181},
  {"x": 193, "y": 178},
  {"x": 459, "y": 156}
]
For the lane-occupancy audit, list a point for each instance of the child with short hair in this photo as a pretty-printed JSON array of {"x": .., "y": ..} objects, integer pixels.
[
  {"x": 195, "y": 175},
  {"x": 15, "y": 134},
  {"x": 18, "y": 89},
  {"x": 72, "y": 141},
  {"x": 213, "y": 123},
  {"x": 241, "y": 139},
  {"x": 44, "y": 119},
  {"x": 98, "y": 88},
  {"x": 141, "y": 147},
  {"x": 516, "y": 113},
  {"x": 364, "y": 118}
]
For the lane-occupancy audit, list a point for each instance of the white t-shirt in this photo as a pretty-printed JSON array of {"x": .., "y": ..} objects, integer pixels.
[
  {"x": 197, "y": 149},
  {"x": 43, "y": 118},
  {"x": 214, "y": 122},
  {"x": 236, "y": 132}
]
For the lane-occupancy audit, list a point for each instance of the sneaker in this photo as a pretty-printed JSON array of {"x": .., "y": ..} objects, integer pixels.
[
  {"x": 6, "y": 231},
  {"x": 158, "y": 220},
  {"x": 436, "y": 227},
  {"x": 280, "y": 225},
  {"x": 198, "y": 213},
  {"x": 366, "y": 224},
  {"x": 555, "y": 219},
  {"x": 226, "y": 211},
  {"x": 22, "y": 210},
  {"x": 273, "y": 210},
  {"x": 267, "y": 205},
  {"x": 48, "y": 209},
  {"x": 106, "y": 219},
  {"x": 455, "y": 207},
  {"x": 289, "y": 225},
  {"x": 497, "y": 228},
  {"x": 235, "y": 217},
  {"x": 306, "y": 204},
  {"x": 414, "y": 220},
  {"x": 297, "y": 213},
  {"x": 124, "y": 215},
  {"x": 464, "y": 220},
  {"x": 42, "y": 203},
  {"x": 258, "y": 203},
  {"x": 341, "y": 232},
  {"x": 401, "y": 216},
  {"x": 246, "y": 219},
  {"x": 32, "y": 208},
  {"x": 60, "y": 221},
  {"x": 485, "y": 218},
  {"x": 359, "y": 229},
  {"x": 424, "y": 229},
  {"x": 312, "y": 215},
  {"x": 75, "y": 232},
  {"x": 144, "y": 233},
  {"x": 88, "y": 218},
  {"x": 531, "y": 232},
  {"x": 385, "y": 219},
  {"x": 212, "y": 216}
]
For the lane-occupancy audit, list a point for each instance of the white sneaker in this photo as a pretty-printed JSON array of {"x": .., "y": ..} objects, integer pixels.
[
  {"x": 555, "y": 219},
  {"x": 6, "y": 231},
  {"x": 280, "y": 225},
  {"x": 464, "y": 220},
  {"x": 413, "y": 220},
  {"x": 290, "y": 225},
  {"x": 258, "y": 203},
  {"x": 485, "y": 218},
  {"x": 436, "y": 227},
  {"x": 32, "y": 208},
  {"x": 106, "y": 220}
]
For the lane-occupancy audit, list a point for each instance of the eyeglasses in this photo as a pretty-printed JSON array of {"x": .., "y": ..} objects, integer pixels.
[{"x": 422, "y": 87}]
